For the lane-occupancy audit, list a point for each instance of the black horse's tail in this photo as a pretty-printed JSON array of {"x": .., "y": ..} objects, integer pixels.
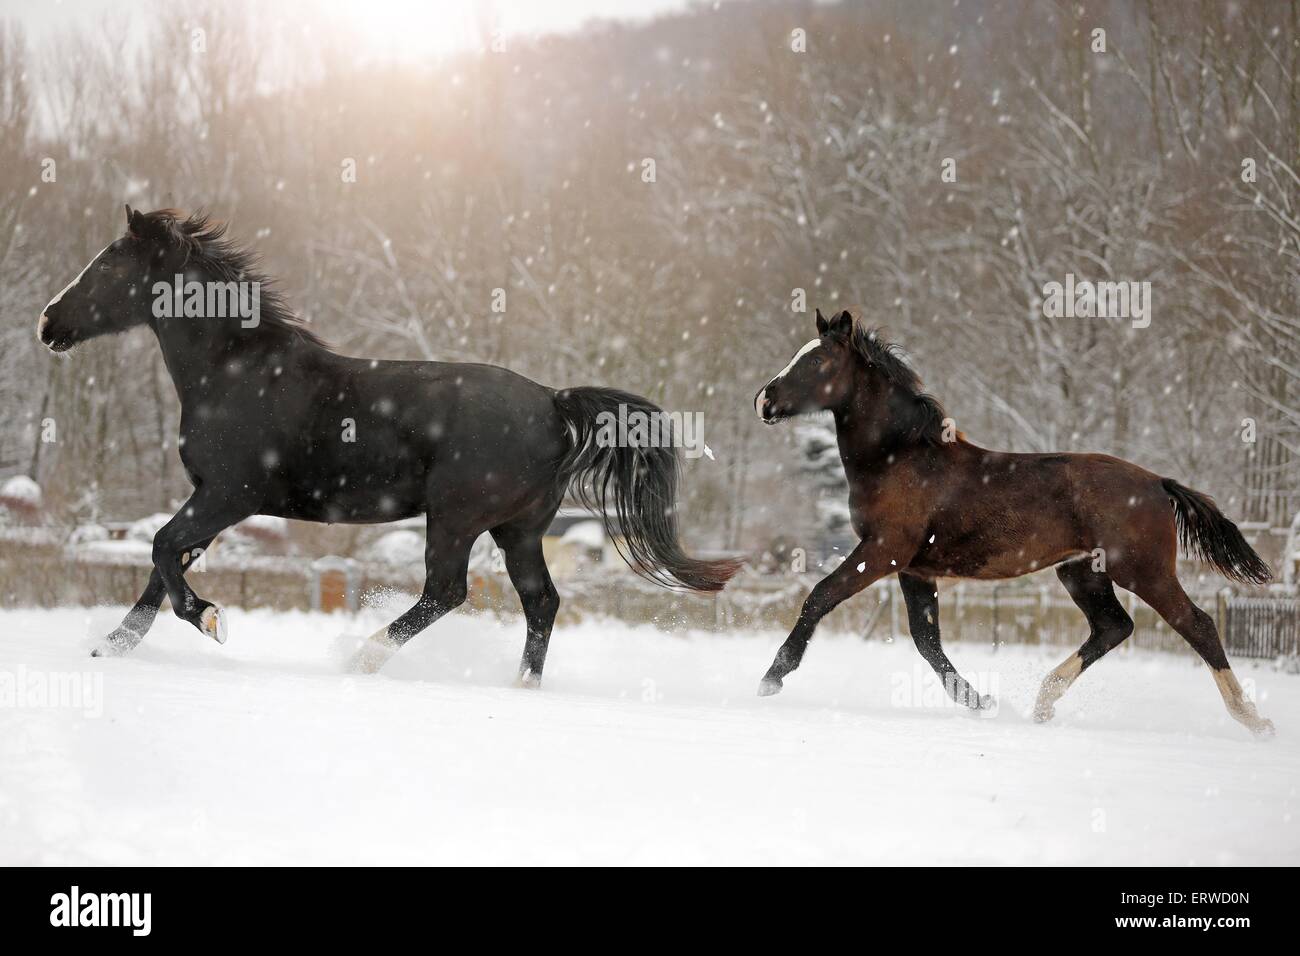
[
  {"x": 1205, "y": 533},
  {"x": 640, "y": 481}
]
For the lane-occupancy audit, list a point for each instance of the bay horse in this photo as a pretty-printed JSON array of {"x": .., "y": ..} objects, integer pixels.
[
  {"x": 275, "y": 422},
  {"x": 926, "y": 503}
]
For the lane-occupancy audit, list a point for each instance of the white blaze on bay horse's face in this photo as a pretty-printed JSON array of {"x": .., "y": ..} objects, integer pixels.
[
  {"x": 762, "y": 403},
  {"x": 820, "y": 376}
]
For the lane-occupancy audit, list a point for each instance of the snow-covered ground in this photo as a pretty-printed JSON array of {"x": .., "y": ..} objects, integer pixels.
[{"x": 641, "y": 748}]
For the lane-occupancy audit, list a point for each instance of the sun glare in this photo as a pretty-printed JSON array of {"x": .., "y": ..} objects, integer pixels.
[{"x": 413, "y": 29}]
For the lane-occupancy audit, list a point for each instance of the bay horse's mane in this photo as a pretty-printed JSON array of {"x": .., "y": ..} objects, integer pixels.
[
  {"x": 923, "y": 416},
  {"x": 207, "y": 246}
]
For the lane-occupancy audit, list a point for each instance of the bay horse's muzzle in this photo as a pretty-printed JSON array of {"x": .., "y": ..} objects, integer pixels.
[{"x": 764, "y": 407}]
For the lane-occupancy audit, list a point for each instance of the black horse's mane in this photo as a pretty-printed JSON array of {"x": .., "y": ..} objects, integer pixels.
[
  {"x": 924, "y": 416},
  {"x": 208, "y": 247}
]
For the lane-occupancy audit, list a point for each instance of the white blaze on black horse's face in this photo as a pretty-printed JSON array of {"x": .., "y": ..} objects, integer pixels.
[
  {"x": 111, "y": 294},
  {"x": 818, "y": 377}
]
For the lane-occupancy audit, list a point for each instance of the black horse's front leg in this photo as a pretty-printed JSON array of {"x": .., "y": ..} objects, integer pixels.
[
  {"x": 867, "y": 564},
  {"x": 127, "y": 635},
  {"x": 922, "y": 599},
  {"x": 202, "y": 518}
]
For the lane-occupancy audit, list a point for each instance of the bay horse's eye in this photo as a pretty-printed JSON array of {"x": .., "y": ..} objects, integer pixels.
[{"x": 105, "y": 266}]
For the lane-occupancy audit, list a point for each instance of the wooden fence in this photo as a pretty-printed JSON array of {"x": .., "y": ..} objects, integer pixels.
[
  {"x": 1031, "y": 610},
  {"x": 1261, "y": 627}
]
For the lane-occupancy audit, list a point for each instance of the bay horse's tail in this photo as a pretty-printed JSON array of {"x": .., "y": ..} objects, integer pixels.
[
  {"x": 640, "y": 483},
  {"x": 1206, "y": 533}
]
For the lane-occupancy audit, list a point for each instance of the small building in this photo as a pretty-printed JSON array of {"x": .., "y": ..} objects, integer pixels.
[{"x": 577, "y": 539}]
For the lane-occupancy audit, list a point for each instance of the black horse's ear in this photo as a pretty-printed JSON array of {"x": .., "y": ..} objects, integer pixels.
[
  {"x": 842, "y": 324},
  {"x": 135, "y": 223},
  {"x": 822, "y": 325}
]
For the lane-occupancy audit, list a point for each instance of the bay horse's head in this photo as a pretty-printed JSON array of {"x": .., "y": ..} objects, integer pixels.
[
  {"x": 820, "y": 376},
  {"x": 112, "y": 293},
  {"x": 848, "y": 366}
]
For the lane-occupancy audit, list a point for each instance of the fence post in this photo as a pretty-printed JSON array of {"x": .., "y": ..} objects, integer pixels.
[
  {"x": 1044, "y": 608},
  {"x": 1221, "y": 613},
  {"x": 893, "y": 610},
  {"x": 958, "y": 609},
  {"x": 995, "y": 618}
]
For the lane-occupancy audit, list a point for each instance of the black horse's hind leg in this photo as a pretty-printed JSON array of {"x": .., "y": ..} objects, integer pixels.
[
  {"x": 446, "y": 564},
  {"x": 1108, "y": 622},
  {"x": 922, "y": 599},
  {"x": 140, "y": 618},
  {"x": 528, "y": 573}
]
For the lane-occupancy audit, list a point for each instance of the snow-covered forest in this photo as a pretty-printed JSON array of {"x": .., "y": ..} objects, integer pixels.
[{"x": 662, "y": 206}]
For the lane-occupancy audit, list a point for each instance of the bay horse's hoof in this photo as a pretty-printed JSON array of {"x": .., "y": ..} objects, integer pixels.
[
  {"x": 212, "y": 622},
  {"x": 1264, "y": 729},
  {"x": 527, "y": 680},
  {"x": 121, "y": 642},
  {"x": 1043, "y": 713},
  {"x": 769, "y": 686}
]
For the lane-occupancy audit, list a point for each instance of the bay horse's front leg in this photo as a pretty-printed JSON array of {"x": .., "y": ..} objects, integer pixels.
[
  {"x": 865, "y": 565},
  {"x": 921, "y": 596},
  {"x": 202, "y": 518}
]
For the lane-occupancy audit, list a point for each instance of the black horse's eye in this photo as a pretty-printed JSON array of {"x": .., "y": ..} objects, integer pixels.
[{"x": 105, "y": 266}]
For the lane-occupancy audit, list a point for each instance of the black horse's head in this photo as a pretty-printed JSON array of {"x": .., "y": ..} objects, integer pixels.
[
  {"x": 820, "y": 376},
  {"x": 112, "y": 294}
]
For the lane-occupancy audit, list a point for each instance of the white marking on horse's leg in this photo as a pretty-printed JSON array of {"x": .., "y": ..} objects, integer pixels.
[
  {"x": 1054, "y": 685},
  {"x": 374, "y": 653},
  {"x": 44, "y": 319},
  {"x": 1241, "y": 709}
]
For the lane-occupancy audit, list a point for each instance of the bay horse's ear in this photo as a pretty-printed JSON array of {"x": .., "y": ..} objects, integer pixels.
[
  {"x": 822, "y": 324},
  {"x": 842, "y": 324}
]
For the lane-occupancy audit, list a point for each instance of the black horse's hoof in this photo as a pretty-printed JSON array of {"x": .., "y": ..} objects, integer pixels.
[
  {"x": 769, "y": 686},
  {"x": 212, "y": 622},
  {"x": 528, "y": 681},
  {"x": 122, "y": 641}
]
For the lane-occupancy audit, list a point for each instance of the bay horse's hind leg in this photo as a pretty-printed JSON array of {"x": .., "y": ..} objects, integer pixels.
[
  {"x": 526, "y": 566},
  {"x": 1109, "y": 624},
  {"x": 922, "y": 599},
  {"x": 1171, "y": 602},
  {"x": 446, "y": 564}
]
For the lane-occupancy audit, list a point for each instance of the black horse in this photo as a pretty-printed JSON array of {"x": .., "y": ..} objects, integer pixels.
[
  {"x": 274, "y": 422},
  {"x": 927, "y": 504}
]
